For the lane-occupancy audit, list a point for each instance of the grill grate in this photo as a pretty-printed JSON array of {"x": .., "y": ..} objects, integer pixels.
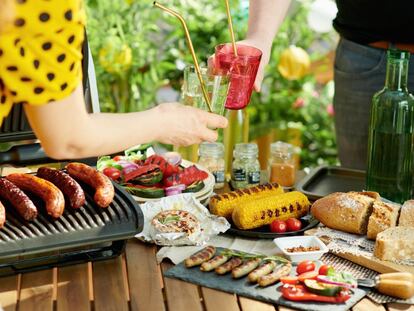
[{"x": 89, "y": 224}]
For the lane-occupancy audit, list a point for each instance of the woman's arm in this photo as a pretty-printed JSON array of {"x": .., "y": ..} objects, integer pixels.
[
  {"x": 265, "y": 18},
  {"x": 67, "y": 131}
]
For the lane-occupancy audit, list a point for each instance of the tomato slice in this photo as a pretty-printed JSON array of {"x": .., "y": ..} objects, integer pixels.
[
  {"x": 293, "y": 280},
  {"x": 323, "y": 270},
  {"x": 112, "y": 173},
  {"x": 305, "y": 266},
  {"x": 311, "y": 275}
]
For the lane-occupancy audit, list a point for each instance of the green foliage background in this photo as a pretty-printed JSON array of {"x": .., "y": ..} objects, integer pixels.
[{"x": 157, "y": 43}]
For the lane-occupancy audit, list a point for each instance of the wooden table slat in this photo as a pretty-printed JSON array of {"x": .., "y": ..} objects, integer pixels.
[
  {"x": 108, "y": 285},
  {"x": 247, "y": 304},
  {"x": 366, "y": 304},
  {"x": 36, "y": 291},
  {"x": 280, "y": 308},
  {"x": 219, "y": 301},
  {"x": 181, "y": 296},
  {"x": 8, "y": 293},
  {"x": 144, "y": 277},
  {"x": 399, "y": 307},
  {"x": 72, "y": 288}
]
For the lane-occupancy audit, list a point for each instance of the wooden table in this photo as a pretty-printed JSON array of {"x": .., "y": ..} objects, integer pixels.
[{"x": 133, "y": 281}]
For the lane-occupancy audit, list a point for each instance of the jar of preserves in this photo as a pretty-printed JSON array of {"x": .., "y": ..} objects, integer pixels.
[
  {"x": 211, "y": 156},
  {"x": 282, "y": 168},
  {"x": 246, "y": 167}
]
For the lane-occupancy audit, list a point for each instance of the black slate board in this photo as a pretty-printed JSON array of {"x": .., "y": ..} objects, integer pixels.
[{"x": 242, "y": 287}]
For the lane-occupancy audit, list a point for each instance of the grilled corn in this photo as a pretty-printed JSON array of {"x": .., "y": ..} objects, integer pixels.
[
  {"x": 223, "y": 204},
  {"x": 260, "y": 212}
]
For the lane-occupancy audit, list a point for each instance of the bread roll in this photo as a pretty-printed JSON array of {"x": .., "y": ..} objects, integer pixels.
[
  {"x": 395, "y": 244},
  {"x": 407, "y": 214},
  {"x": 345, "y": 211},
  {"x": 384, "y": 216}
]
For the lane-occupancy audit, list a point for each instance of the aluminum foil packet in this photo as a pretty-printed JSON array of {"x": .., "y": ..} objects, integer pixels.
[{"x": 208, "y": 225}]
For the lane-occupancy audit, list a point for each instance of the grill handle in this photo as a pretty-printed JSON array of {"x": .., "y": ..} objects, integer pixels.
[{"x": 24, "y": 155}]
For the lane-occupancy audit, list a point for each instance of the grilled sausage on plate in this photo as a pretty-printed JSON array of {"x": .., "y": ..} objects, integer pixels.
[
  {"x": 48, "y": 192},
  {"x": 264, "y": 269},
  {"x": 213, "y": 263},
  {"x": 70, "y": 188},
  {"x": 104, "y": 189},
  {"x": 280, "y": 271},
  {"x": 229, "y": 265},
  {"x": 18, "y": 199},
  {"x": 200, "y": 257},
  {"x": 245, "y": 268}
]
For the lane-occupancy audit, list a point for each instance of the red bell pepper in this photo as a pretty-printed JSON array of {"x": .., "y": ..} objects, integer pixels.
[
  {"x": 166, "y": 167},
  {"x": 133, "y": 172},
  {"x": 299, "y": 293}
]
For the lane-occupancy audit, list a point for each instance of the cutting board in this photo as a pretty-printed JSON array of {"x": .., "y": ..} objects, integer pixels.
[{"x": 380, "y": 266}]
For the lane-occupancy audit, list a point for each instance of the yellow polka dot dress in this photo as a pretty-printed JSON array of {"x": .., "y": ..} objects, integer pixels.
[{"x": 40, "y": 52}]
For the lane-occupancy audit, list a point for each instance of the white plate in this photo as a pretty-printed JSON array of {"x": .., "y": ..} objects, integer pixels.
[
  {"x": 204, "y": 193},
  {"x": 305, "y": 241}
]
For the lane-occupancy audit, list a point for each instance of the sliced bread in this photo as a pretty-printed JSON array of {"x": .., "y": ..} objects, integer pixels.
[
  {"x": 395, "y": 244},
  {"x": 407, "y": 214},
  {"x": 384, "y": 216},
  {"x": 348, "y": 212}
]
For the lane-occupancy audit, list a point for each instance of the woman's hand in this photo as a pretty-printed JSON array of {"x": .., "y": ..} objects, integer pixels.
[{"x": 184, "y": 125}]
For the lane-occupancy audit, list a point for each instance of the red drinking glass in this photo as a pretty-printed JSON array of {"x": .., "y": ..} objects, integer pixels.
[{"x": 242, "y": 70}]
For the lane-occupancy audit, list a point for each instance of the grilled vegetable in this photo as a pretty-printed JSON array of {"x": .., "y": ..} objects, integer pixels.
[
  {"x": 145, "y": 192},
  {"x": 166, "y": 167},
  {"x": 150, "y": 178},
  {"x": 223, "y": 204},
  {"x": 187, "y": 176},
  {"x": 321, "y": 288},
  {"x": 194, "y": 187},
  {"x": 260, "y": 212}
]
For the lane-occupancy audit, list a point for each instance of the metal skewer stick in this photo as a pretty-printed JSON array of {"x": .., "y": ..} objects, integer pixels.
[{"x": 190, "y": 46}]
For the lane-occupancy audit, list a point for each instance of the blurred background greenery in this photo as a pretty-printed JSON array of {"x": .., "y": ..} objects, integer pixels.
[{"x": 139, "y": 50}]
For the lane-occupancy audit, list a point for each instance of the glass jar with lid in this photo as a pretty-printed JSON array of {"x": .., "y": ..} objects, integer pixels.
[
  {"x": 282, "y": 169},
  {"x": 246, "y": 167},
  {"x": 211, "y": 156}
]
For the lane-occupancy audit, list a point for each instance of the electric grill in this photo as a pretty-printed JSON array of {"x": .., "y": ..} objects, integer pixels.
[{"x": 87, "y": 234}]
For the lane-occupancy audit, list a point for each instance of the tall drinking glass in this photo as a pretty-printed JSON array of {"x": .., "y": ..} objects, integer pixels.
[
  {"x": 217, "y": 86},
  {"x": 242, "y": 70}
]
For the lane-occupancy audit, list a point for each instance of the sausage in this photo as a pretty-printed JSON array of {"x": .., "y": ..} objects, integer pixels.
[
  {"x": 104, "y": 189},
  {"x": 200, "y": 257},
  {"x": 2, "y": 215},
  {"x": 213, "y": 263},
  {"x": 262, "y": 270},
  {"x": 18, "y": 199},
  {"x": 245, "y": 268},
  {"x": 229, "y": 265},
  {"x": 278, "y": 272},
  {"x": 70, "y": 188},
  {"x": 48, "y": 192}
]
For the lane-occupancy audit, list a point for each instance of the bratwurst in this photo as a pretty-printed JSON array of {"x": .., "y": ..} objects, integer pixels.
[
  {"x": 48, "y": 192},
  {"x": 104, "y": 189},
  {"x": 70, "y": 188},
  {"x": 18, "y": 199}
]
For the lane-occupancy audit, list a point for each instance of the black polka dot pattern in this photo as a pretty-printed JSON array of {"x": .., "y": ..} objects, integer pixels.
[
  {"x": 50, "y": 76},
  {"x": 36, "y": 63},
  {"x": 46, "y": 46},
  {"x": 11, "y": 68},
  {"x": 25, "y": 79},
  {"x": 68, "y": 15},
  {"x": 71, "y": 39},
  {"x": 61, "y": 58},
  {"x": 63, "y": 86},
  {"x": 38, "y": 90},
  {"x": 44, "y": 17},
  {"x": 21, "y": 51},
  {"x": 19, "y": 22}
]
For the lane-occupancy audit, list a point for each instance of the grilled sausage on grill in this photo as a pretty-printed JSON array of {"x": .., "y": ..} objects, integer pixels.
[
  {"x": 18, "y": 199},
  {"x": 48, "y": 192},
  {"x": 201, "y": 256},
  {"x": 70, "y": 188},
  {"x": 2, "y": 215},
  {"x": 104, "y": 190}
]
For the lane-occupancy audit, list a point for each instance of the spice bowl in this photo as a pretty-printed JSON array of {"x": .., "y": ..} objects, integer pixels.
[{"x": 301, "y": 243}]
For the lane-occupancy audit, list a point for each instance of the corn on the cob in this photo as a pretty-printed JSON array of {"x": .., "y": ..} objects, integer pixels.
[
  {"x": 223, "y": 204},
  {"x": 260, "y": 212}
]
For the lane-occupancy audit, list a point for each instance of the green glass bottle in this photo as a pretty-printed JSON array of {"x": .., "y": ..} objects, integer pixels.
[{"x": 390, "y": 145}]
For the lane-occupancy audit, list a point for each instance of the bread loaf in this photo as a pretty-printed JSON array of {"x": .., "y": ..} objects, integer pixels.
[
  {"x": 407, "y": 214},
  {"x": 348, "y": 212},
  {"x": 395, "y": 244},
  {"x": 384, "y": 216}
]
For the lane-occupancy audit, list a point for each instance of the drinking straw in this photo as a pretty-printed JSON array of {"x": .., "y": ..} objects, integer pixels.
[
  {"x": 233, "y": 40},
  {"x": 190, "y": 46}
]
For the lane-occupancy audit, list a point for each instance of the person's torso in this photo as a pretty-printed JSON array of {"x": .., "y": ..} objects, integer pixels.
[{"x": 366, "y": 21}]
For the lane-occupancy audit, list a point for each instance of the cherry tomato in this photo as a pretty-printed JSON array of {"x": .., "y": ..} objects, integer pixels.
[
  {"x": 118, "y": 158},
  {"x": 112, "y": 173},
  {"x": 293, "y": 224},
  {"x": 311, "y": 275},
  {"x": 293, "y": 280},
  {"x": 323, "y": 270},
  {"x": 278, "y": 226},
  {"x": 305, "y": 266}
]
